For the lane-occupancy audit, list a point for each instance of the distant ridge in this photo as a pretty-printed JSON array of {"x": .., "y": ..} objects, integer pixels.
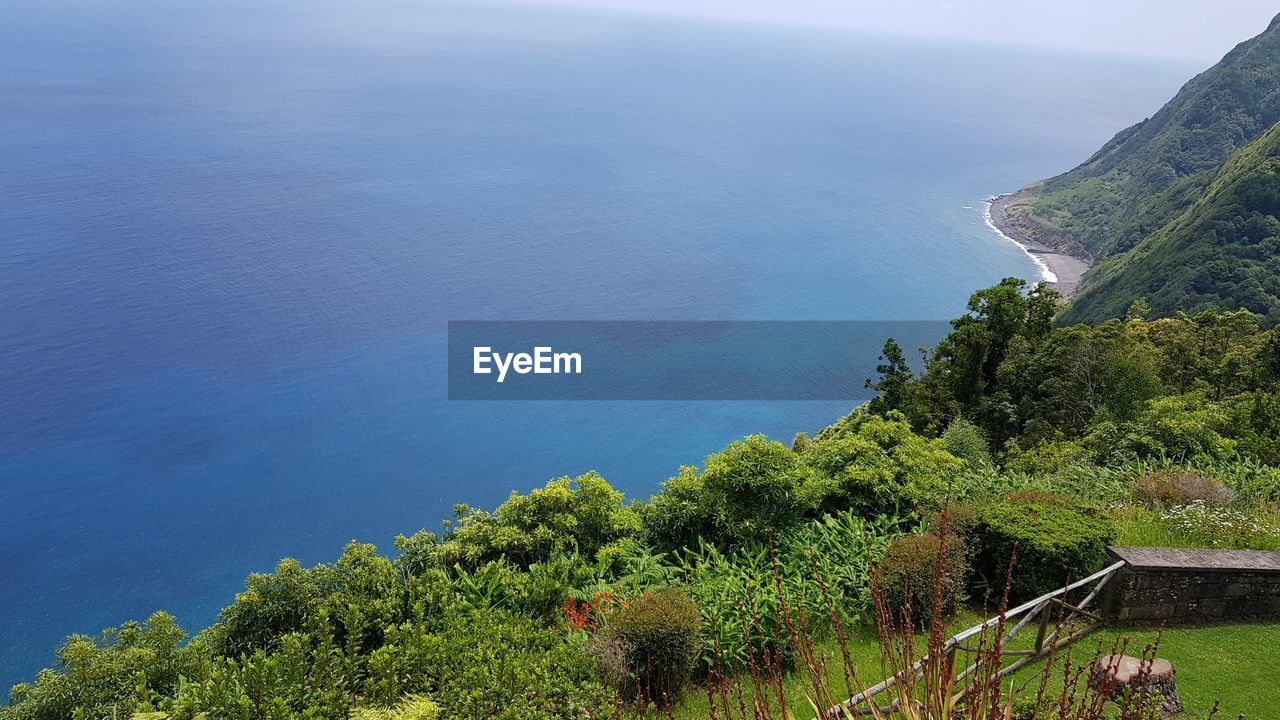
[
  {"x": 1222, "y": 252},
  {"x": 1150, "y": 175}
]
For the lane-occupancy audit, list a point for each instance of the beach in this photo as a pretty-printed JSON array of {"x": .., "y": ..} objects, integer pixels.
[{"x": 1062, "y": 270}]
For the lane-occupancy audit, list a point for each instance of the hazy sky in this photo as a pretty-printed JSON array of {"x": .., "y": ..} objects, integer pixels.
[{"x": 1195, "y": 30}]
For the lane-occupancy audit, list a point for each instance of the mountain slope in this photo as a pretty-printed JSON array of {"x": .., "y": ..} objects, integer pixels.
[
  {"x": 1223, "y": 251},
  {"x": 1149, "y": 173}
]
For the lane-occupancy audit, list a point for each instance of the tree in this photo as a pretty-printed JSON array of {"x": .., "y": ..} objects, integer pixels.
[
  {"x": 583, "y": 514},
  {"x": 1139, "y": 310},
  {"x": 1269, "y": 361},
  {"x": 750, "y": 489},
  {"x": 895, "y": 374},
  {"x": 876, "y": 464}
]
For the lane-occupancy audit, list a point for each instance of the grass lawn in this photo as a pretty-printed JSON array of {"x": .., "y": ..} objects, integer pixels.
[{"x": 1234, "y": 664}]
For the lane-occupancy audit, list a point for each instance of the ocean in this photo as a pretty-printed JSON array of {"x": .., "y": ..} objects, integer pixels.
[{"x": 232, "y": 234}]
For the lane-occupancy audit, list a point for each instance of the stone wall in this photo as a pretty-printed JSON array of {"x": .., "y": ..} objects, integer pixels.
[{"x": 1180, "y": 587}]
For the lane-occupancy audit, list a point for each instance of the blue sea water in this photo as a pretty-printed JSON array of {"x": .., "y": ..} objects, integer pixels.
[{"x": 232, "y": 233}]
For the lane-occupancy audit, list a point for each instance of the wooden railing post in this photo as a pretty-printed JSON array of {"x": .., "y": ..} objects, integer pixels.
[{"x": 1044, "y": 627}]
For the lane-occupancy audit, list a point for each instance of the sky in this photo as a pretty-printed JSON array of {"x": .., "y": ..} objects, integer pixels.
[{"x": 1190, "y": 30}]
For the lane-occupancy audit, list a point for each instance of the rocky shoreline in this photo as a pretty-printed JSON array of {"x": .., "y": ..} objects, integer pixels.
[{"x": 1066, "y": 269}]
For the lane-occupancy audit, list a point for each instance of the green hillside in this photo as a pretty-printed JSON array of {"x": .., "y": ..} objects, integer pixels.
[
  {"x": 1179, "y": 209},
  {"x": 1148, "y": 173},
  {"x": 1223, "y": 251}
]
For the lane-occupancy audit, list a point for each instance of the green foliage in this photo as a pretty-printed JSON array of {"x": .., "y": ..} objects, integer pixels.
[
  {"x": 308, "y": 676},
  {"x": 750, "y": 489},
  {"x": 107, "y": 676},
  {"x": 418, "y": 552},
  {"x": 584, "y": 514},
  {"x": 1254, "y": 483},
  {"x": 967, "y": 442},
  {"x": 271, "y": 606},
  {"x": 410, "y": 707},
  {"x": 1180, "y": 427},
  {"x": 499, "y": 585},
  {"x": 538, "y": 591},
  {"x": 1055, "y": 539},
  {"x": 1082, "y": 374},
  {"x": 878, "y": 464},
  {"x": 1010, "y": 416},
  {"x": 819, "y": 568},
  {"x": 979, "y": 370},
  {"x": 1050, "y": 398},
  {"x": 662, "y": 632},
  {"x": 286, "y": 601},
  {"x": 1181, "y": 207},
  {"x": 488, "y": 664},
  {"x": 908, "y": 575},
  {"x": 894, "y": 376},
  {"x": 1255, "y": 420},
  {"x": 1047, "y": 458}
]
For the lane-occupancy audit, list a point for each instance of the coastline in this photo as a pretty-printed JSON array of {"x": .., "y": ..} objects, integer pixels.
[{"x": 1061, "y": 270}]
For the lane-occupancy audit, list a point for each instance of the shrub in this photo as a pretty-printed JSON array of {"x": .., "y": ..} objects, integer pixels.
[
  {"x": 877, "y": 464},
  {"x": 961, "y": 522},
  {"x": 583, "y": 514},
  {"x": 499, "y": 585},
  {"x": 663, "y": 632},
  {"x": 750, "y": 489},
  {"x": 307, "y": 676},
  {"x": 967, "y": 442},
  {"x": 1178, "y": 427},
  {"x": 908, "y": 571},
  {"x": 273, "y": 605},
  {"x": 103, "y": 676},
  {"x": 488, "y": 664},
  {"x": 1167, "y": 488},
  {"x": 1047, "y": 458},
  {"x": 1056, "y": 540}
]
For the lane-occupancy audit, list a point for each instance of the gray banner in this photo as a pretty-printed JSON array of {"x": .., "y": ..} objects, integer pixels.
[{"x": 674, "y": 360}]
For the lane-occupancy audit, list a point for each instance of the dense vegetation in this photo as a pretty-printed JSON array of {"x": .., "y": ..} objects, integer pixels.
[
  {"x": 571, "y": 601},
  {"x": 1223, "y": 251},
  {"x": 1179, "y": 208}
]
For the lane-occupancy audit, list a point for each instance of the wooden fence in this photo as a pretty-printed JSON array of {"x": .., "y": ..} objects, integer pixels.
[{"x": 1040, "y": 611}]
